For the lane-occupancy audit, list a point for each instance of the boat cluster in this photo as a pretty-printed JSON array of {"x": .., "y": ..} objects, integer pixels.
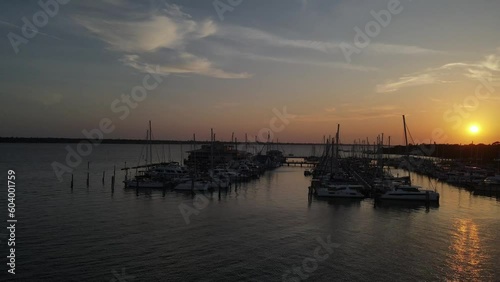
[
  {"x": 455, "y": 172},
  {"x": 213, "y": 166},
  {"x": 358, "y": 178}
]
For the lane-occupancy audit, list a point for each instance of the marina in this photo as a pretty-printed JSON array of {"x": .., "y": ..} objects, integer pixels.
[
  {"x": 217, "y": 165},
  {"x": 231, "y": 140},
  {"x": 255, "y": 230}
]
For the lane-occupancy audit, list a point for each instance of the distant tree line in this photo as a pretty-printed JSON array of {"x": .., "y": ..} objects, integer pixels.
[{"x": 481, "y": 152}]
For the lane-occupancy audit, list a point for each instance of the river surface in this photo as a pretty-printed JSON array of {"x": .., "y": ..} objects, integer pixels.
[{"x": 263, "y": 230}]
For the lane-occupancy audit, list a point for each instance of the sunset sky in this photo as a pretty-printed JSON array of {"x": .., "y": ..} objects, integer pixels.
[{"x": 437, "y": 62}]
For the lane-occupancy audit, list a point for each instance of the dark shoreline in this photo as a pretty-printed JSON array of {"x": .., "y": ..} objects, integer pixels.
[
  {"x": 125, "y": 141},
  {"x": 472, "y": 152}
]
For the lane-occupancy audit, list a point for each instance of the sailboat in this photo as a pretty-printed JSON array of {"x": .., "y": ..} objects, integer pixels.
[
  {"x": 337, "y": 183},
  {"x": 146, "y": 178},
  {"x": 192, "y": 182},
  {"x": 407, "y": 191}
]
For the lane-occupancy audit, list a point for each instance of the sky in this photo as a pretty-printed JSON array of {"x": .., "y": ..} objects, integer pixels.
[{"x": 285, "y": 70}]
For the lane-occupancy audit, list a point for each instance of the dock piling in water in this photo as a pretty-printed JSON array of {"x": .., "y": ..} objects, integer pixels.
[
  {"x": 88, "y": 174},
  {"x": 427, "y": 199},
  {"x": 126, "y": 171}
]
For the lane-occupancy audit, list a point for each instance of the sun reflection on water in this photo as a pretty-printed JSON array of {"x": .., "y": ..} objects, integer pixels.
[{"x": 466, "y": 254}]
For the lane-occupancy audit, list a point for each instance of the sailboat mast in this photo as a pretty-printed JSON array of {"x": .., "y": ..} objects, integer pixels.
[
  {"x": 246, "y": 143},
  {"x": 194, "y": 171},
  {"x": 406, "y": 135},
  {"x": 150, "y": 144},
  {"x": 212, "y": 140},
  {"x": 407, "y": 152},
  {"x": 331, "y": 159},
  {"x": 337, "y": 142},
  {"x": 146, "y": 156}
]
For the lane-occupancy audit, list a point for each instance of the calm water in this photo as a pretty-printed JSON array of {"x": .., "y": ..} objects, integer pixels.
[{"x": 255, "y": 233}]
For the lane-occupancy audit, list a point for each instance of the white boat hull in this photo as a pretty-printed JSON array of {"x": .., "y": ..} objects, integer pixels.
[
  {"x": 144, "y": 184},
  {"x": 188, "y": 186},
  {"x": 417, "y": 196},
  {"x": 340, "y": 191}
]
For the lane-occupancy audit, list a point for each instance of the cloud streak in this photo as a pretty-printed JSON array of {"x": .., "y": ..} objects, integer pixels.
[
  {"x": 185, "y": 63},
  {"x": 144, "y": 37},
  {"x": 486, "y": 69},
  {"x": 251, "y": 35},
  {"x": 147, "y": 39}
]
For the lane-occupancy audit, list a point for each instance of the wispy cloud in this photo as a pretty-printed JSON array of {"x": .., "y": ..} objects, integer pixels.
[
  {"x": 145, "y": 39},
  {"x": 380, "y": 48},
  {"x": 407, "y": 81},
  {"x": 182, "y": 63},
  {"x": 29, "y": 29},
  {"x": 331, "y": 50},
  {"x": 172, "y": 30},
  {"x": 258, "y": 37},
  {"x": 290, "y": 60},
  {"x": 246, "y": 34},
  {"x": 487, "y": 69}
]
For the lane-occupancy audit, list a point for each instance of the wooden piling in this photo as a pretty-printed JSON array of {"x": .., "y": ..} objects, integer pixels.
[
  {"x": 192, "y": 187},
  {"x": 88, "y": 174},
  {"x": 137, "y": 187},
  {"x": 126, "y": 171},
  {"x": 103, "y": 175},
  {"x": 112, "y": 184},
  {"x": 72, "y": 182}
]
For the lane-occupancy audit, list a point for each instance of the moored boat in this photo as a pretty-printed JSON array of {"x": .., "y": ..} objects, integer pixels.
[
  {"x": 410, "y": 193},
  {"x": 189, "y": 184},
  {"x": 340, "y": 191},
  {"x": 407, "y": 191},
  {"x": 492, "y": 180}
]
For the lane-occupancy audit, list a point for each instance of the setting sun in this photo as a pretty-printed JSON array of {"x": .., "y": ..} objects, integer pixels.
[{"x": 474, "y": 129}]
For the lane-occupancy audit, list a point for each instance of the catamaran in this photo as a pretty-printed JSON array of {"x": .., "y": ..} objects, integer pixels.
[{"x": 407, "y": 191}]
